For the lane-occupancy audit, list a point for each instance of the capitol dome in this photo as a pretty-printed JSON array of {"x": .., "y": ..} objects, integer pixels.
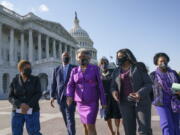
[
  {"x": 83, "y": 38},
  {"x": 77, "y": 31}
]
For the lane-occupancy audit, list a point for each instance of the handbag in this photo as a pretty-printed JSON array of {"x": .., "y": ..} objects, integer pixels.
[
  {"x": 175, "y": 104},
  {"x": 175, "y": 101}
]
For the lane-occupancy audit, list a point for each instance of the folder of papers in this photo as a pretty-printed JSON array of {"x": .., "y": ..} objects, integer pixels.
[
  {"x": 28, "y": 112},
  {"x": 176, "y": 87}
]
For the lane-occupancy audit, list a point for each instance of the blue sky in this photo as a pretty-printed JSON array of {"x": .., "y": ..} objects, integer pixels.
[{"x": 144, "y": 26}]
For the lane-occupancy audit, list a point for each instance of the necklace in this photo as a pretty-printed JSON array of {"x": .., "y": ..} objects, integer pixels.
[{"x": 105, "y": 74}]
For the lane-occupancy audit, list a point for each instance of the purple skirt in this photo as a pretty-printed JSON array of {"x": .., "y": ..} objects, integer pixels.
[{"x": 88, "y": 112}]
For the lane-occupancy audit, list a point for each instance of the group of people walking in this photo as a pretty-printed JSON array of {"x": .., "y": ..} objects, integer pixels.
[{"x": 125, "y": 94}]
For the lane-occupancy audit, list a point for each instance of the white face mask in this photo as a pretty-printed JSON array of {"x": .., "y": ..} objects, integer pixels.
[{"x": 163, "y": 66}]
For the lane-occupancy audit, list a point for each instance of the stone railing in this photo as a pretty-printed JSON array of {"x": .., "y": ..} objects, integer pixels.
[{"x": 51, "y": 59}]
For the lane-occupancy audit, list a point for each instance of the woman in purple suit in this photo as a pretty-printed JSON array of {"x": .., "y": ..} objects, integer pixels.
[{"x": 85, "y": 88}]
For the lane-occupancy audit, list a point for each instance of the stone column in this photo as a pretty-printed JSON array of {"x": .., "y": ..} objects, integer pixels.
[
  {"x": 54, "y": 48},
  {"x": 65, "y": 47},
  {"x": 60, "y": 49},
  {"x": 47, "y": 47},
  {"x": 22, "y": 45},
  {"x": 73, "y": 56},
  {"x": 50, "y": 80},
  {"x": 30, "y": 56},
  {"x": 39, "y": 47},
  {"x": 1, "y": 61},
  {"x": 11, "y": 49},
  {"x": 70, "y": 53},
  {"x": 1, "y": 84}
]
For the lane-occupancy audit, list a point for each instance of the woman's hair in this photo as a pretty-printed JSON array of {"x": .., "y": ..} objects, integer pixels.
[
  {"x": 142, "y": 66},
  {"x": 128, "y": 54},
  {"x": 161, "y": 54},
  {"x": 22, "y": 64},
  {"x": 103, "y": 59},
  {"x": 132, "y": 59},
  {"x": 87, "y": 52}
]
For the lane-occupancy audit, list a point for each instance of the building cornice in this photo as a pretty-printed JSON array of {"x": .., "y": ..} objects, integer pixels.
[{"x": 31, "y": 18}]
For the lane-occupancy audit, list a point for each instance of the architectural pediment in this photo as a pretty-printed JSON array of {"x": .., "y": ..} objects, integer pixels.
[{"x": 55, "y": 27}]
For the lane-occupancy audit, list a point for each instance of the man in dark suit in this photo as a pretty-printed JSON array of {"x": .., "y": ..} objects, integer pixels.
[{"x": 61, "y": 76}]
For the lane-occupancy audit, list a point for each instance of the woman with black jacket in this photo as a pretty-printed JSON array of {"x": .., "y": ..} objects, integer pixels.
[
  {"x": 111, "y": 111},
  {"x": 24, "y": 95},
  {"x": 131, "y": 87}
]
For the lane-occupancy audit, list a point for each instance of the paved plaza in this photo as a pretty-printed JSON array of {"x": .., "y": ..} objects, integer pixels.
[{"x": 52, "y": 122}]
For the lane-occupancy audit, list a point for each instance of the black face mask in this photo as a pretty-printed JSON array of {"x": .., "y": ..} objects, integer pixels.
[
  {"x": 163, "y": 66},
  {"x": 84, "y": 62},
  {"x": 66, "y": 60},
  {"x": 121, "y": 61},
  {"x": 27, "y": 72}
]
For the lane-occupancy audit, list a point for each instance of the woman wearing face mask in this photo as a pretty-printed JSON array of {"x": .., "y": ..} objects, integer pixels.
[
  {"x": 111, "y": 111},
  {"x": 24, "y": 95},
  {"x": 163, "y": 77},
  {"x": 85, "y": 88},
  {"x": 131, "y": 87}
]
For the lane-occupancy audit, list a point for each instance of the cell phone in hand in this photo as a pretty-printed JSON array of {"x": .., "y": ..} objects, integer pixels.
[{"x": 132, "y": 99}]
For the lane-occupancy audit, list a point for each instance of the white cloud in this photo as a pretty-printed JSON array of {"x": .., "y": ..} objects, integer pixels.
[
  {"x": 40, "y": 8},
  {"x": 43, "y": 8},
  {"x": 7, "y": 4}
]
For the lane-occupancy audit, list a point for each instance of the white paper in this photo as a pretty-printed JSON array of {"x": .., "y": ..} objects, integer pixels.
[
  {"x": 28, "y": 112},
  {"x": 176, "y": 86},
  {"x": 102, "y": 113}
]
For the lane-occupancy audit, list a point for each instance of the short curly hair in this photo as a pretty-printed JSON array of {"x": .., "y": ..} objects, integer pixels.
[
  {"x": 161, "y": 54},
  {"x": 22, "y": 64},
  {"x": 85, "y": 51}
]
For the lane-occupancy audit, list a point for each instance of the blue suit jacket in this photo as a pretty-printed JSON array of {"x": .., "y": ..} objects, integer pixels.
[{"x": 58, "y": 87}]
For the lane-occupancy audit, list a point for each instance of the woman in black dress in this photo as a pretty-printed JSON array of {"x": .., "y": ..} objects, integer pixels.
[{"x": 112, "y": 110}]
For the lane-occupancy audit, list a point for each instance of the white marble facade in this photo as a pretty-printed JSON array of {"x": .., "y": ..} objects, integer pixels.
[{"x": 31, "y": 38}]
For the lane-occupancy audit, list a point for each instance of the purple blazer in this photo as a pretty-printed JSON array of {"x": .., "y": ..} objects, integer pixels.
[{"x": 86, "y": 87}]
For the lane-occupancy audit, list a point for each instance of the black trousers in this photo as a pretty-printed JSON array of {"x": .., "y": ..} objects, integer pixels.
[{"x": 133, "y": 114}]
